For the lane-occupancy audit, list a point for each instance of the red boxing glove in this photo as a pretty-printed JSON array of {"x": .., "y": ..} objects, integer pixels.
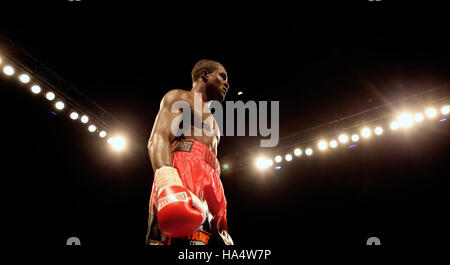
[{"x": 180, "y": 213}]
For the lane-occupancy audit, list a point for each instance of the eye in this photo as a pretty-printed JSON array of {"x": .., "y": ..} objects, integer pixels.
[{"x": 224, "y": 76}]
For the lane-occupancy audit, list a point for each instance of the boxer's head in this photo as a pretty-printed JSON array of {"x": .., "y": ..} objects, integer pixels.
[{"x": 213, "y": 76}]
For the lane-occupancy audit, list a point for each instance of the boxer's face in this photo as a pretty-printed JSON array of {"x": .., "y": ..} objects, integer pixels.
[{"x": 217, "y": 84}]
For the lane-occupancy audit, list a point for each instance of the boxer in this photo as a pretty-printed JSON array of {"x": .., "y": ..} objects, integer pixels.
[{"x": 187, "y": 202}]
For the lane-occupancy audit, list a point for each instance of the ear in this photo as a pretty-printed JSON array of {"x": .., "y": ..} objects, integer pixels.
[{"x": 205, "y": 76}]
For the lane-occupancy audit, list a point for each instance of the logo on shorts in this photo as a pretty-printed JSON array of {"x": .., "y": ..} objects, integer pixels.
[{"x": 176, "y": 197}]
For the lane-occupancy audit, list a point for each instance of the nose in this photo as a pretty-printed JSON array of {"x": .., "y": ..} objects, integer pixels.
[{"x": 227, "y": 85}]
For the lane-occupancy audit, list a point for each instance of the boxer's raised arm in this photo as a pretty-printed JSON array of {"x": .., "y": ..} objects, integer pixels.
[{"x": 161, "y": 136}]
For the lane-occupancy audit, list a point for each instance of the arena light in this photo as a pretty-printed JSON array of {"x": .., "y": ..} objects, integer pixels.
[
  {"x": 8, "y": 70},
  {"x": 102, "y": 134},
  {"x": 59, "y": 105},
  {"x": 261, "y": 163},
  {"x": 394, "y": 125},
  {"x": 445, "y": 110},
  {"x": 24, "y": 78},
  {"x": 84, "y": 119},
  {"x": 288, "y": 157},
  {"x": 378, "y": 130},
  {"x": 418, "y": 117},
  {"x": 355, "y": 138},
  {"x": 343, "y": 138},
  {"x": 50, "y": 96},
  {"x": 92, "y": 128},
  {"x": 117, "y": 143},
  {"x": 365, "y": 132},
  {"x": 278, "y": 159},
  {"x": 74, "y": 115},
  {"x": 298, "y": 152},
  {"x": 431, "y": 112},
  {"x": 240, "y": 93},
  {"x": 333, "y": 144},
  {"x": 322, "y": 145},
  {"x": 308, "y": 151},
  {"x": 36, "y": 89},
  {"x": 405, "y": 120}
]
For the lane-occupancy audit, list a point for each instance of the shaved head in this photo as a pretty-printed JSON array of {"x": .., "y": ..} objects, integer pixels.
[{"x": 204, "y": 65}]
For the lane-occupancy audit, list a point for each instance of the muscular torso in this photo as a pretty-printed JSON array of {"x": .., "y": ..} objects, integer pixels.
[{"x": 208, "y": 122}]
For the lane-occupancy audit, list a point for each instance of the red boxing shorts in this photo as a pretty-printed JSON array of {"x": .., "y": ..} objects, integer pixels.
[{"x": 199, "y": 171}]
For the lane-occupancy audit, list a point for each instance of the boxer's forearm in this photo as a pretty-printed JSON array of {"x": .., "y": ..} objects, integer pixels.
[{"x": 159, "y": 152}]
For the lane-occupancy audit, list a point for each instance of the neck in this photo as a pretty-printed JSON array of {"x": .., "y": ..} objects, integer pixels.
[{"x": 200, "y": 88}]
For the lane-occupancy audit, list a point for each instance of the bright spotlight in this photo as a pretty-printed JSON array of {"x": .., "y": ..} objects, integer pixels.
[
  {"x": 92, "y": 128},
  {"x": 84, "y": 119},
  {"x": 343, "y": 138},
  {"x": 24, "y": 78},
  {"x": 431, "y": 112},
  {"x": 8, "y": 70},
  {"x": 36, "y": 89},
  {"x": 50, "y": 95},
  {"x": 445, "y": 110},
  {"x": 288, "y": 157},
  {"x": 355, "y": 138},
  {"x": 308, "y": 151},
  {"x": 240, "y": 93},
  {"x": 378, "y": 130},
  {"x": 261, "y": 163},
  {"x": 333, "y": 144},
  {"x": 365, "y": 132},
  {"x": 322, "y": 145},
  {"x": 102, "y": 134},
  {"x": 298, "y": 152},
  {"x": 278, "y": 159},
  {"x": 405, "y": 120},
  {"x": 117, "y": 143},
  {"x": 74, "y": 115},
  {"x": 394, "y": 125},
  {"x": 418, "y": 117},
  {"x": 269, "y": 162},
  {"x": 59, "y": 105}
]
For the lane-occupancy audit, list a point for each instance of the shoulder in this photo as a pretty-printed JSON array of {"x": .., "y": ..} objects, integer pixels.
[{"x": 175, "y": 95}]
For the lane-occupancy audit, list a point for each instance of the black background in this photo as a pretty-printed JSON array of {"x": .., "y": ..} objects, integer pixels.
[{"x": 319, "y": 63}]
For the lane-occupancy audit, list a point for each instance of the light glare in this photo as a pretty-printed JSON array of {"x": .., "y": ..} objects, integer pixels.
[
  {"x": 431, "y": 112},
  {"x": 278, "y": 159},
  {"x": 8, "y": 70},
  {"x": 365, "y": 132},
  {"x": 50, "y": 95},
  {"x": 308, "y": 151},
  {"x": 117, "y": 143},
  {"x": 322, "y": 145},
  {"x": 59, "y": 105},
  {"x": 355, "y": 138},
  {"x": 445, "y": 110},
  {"x": 288, "y": 157},
  {"x": 405, "y": 120},
  {"x": 84, "y": 119},
  {"x": 36, "y": 89},
  {"x": 298, "y": 152},
  {"x": 378, "y": 130},
  {"x": 24, "y": 78},
  {"x": 343, "y": 138},
  {"x": 394, "y": 125},
  {"x": 418, "y": 117},
  {"x": 74, "y": 115}
]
